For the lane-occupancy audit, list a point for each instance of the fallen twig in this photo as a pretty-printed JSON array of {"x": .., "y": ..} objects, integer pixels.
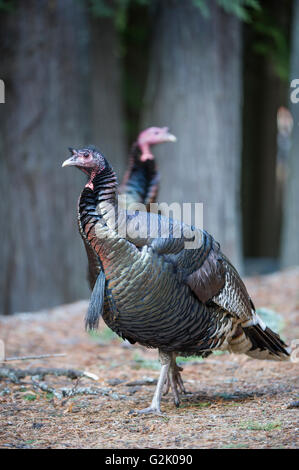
[
  {"x": 4, "y": 391},
  {"x": 37, "y": 376},
  {"x": 45, "y": 387},
  {"x": 26, "y": 358},
  {"x": 68, "y": 392},
  {"x": 294, "y": 404},
  {"x": 72, "y": 392},
  {"x": 146, "y": 381},
  {"x": 16, "y": 374}
]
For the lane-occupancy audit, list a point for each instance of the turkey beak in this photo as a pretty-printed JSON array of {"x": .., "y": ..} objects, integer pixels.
[
  {"x": 171, "y": 137},
  {"x": 70, "y": 161}
]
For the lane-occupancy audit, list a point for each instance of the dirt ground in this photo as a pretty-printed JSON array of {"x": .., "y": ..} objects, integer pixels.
[{"x": 232, "y": 401}]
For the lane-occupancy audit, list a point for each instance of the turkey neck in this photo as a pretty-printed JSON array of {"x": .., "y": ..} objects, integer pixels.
[
  {"x": 149, "y": 166},
  {"x": 101, "y": 188},
  {"x": 88, "y": 216},
  {"x": 97, "y": 211},
  {"x": 105, "y": 186},
  {"x": 139, "y": 177}
]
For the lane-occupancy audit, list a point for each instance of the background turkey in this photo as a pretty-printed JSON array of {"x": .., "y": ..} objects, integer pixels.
[
  {"x": 156, "y": 292},
  {"x": 141, "y": 181}
]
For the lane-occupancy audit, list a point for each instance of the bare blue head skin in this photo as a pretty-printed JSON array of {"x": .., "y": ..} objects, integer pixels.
[{"x": 89, "y": 160}]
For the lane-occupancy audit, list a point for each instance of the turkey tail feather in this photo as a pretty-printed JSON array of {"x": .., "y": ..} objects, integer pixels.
[
  {"x": 96, "y": 303},
  {"x": 265, "y": 344}
]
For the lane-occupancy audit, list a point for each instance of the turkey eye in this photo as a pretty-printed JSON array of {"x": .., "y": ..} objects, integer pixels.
[{"x": 86, "y": 155}]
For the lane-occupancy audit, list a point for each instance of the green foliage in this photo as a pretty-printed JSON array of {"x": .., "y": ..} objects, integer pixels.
[
  {"x": 272, "y": 42},
  {"x": 182, "y": 359},
  {"x": 234, "y": 446},
  {"x": 29, "y": 397},
  {"x": 144, "y": 363},
  {"x": 7, "y": 5},
  {"x": 239, "y": 8},
  {"x": 203, "y": 404},
  {"x": 105, "y": 335},
  {"x": 218, "y": 353},
  {"x": 117, "y": 10},
  {"x": 255, "y": 426},
  {"x": 272, "y": 319},
  {"x": 100, "y": 8},
  {"x": 202, "y": 5},
  {"x": 237, "y": 403}
]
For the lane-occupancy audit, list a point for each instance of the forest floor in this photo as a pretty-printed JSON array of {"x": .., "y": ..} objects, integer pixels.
[{"x": 232, "y": 401}]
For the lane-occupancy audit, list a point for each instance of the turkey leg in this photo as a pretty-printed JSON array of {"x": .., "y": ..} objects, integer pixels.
[
  {"x": 175, "y": 381},
  {"x": 165, "y": 360}
]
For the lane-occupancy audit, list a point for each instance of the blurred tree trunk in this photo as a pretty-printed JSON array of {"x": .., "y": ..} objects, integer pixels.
[
  {"x": 135, "y": 39},
  {"x": 195, "y": 87},
  {"x": 290, "y": 238},
  {"x": 264, "y": 92},
  {"x": 108, "y": 121},
  {"x": 47, "y": 66}
]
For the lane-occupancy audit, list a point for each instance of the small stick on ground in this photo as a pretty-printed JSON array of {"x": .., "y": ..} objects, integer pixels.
[
  {"x": 16, "y": 374},
  {"x": 26, "y": 358},
  {"x": 72, "y": 392},
  {"x": 37, "y": 376}
]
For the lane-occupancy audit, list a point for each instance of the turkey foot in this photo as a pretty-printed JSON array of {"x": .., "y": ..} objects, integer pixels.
[
  {"x": 150, "y": 410},
  {"x": 175, "y": 381}
]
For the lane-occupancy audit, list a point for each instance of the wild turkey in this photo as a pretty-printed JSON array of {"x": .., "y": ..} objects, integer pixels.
[
  {"x": 154, "y": 291},
  {"x": 141, "y": 181},
  {"x": 140, "y": 184}
]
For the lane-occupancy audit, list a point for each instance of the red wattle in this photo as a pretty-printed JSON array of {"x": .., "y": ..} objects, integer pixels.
[{"x": 146, "y": 156}]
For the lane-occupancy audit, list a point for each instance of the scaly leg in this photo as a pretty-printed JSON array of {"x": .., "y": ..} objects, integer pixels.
[
  {"x": 175, "y": 381},
  {"x": 165, "y": 360}
]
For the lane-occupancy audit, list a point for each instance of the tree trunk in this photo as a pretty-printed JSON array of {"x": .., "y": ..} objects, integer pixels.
[
  {"x": 108, "y": 130},
  {"x": 47, "y": 65},
  {"x": 290, "y": 238},
  {"x": 194, "y": 87},
  {"x": 264, "y": 93},
  {"x": 46, "y": 69}
]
